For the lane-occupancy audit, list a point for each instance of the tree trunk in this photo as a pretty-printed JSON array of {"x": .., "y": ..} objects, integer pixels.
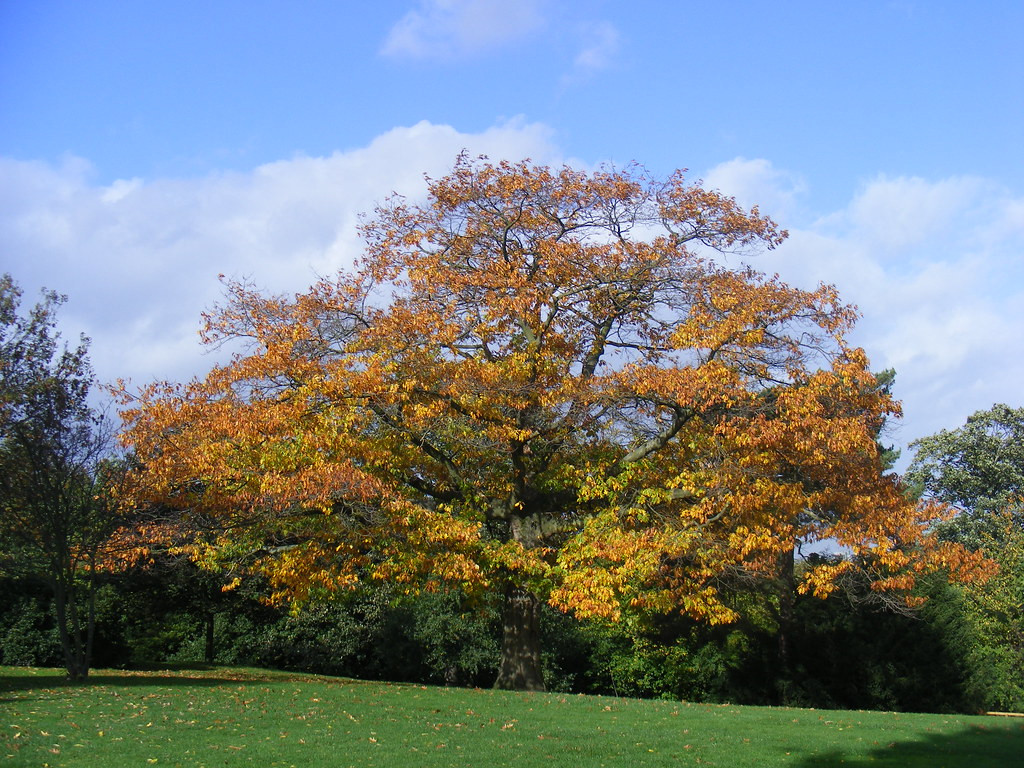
[
  {"x": 209, "y": 650},
  {"x": 76, "y": 661},
  {"x": 787, "y": 604},
  {"x": 520, "y": 668},
  {"x": 90, "y": 631}
]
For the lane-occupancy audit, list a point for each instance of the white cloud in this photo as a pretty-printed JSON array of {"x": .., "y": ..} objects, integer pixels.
[
  {"x": 757, "y": 182},
  {"x": 600, "y": 45},
  {"x": 935, "y": 268},
  {"x": 442, "y": 29},
  {"x": 899, "y": 213},
  {"x": 139, "y": 260}
]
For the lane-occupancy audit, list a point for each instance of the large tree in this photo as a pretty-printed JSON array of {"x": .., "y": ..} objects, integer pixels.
[
  {"x": 557, "y": 385},
  {"x": 57, "y": 473}
]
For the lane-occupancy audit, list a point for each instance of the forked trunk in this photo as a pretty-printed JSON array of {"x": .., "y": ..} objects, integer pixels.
[
  {"x": 520, "y": 668},
  {"x": 76, "y": 652}
]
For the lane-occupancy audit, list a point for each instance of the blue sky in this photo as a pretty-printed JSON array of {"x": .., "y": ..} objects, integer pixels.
[{"x": 146, "y": 148}]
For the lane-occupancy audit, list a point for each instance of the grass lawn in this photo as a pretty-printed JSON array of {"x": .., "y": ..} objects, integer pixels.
[{"x": 242, "y": 717}]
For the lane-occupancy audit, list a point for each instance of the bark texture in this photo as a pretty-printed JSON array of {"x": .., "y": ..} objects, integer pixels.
[{"x": 520, "y": 668}]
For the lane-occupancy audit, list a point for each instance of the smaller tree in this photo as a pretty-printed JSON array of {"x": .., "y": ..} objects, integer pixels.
[
  {"x": 979, "y": 469},
  {"x": 57, "y": 474}
]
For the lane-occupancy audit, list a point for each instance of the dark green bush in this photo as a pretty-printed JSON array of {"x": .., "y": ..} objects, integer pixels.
[{"x": 28, "y": 637}]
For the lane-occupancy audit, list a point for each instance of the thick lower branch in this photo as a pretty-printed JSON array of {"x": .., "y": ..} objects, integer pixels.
[{"x": 655, "y": 444}]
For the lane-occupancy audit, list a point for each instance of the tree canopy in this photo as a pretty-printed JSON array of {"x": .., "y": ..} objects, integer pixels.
[
  {"x": 558, "y": 385},
  {"x": 978, "y": 467}
]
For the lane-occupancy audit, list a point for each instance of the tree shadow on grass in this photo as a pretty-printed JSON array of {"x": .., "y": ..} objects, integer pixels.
[
  {"x": 14, "y": 686},
  {"x": 989, "y": 744}
]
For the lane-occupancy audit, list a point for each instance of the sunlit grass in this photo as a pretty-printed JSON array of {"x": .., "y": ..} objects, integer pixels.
[{"x": 244, "y": 717}]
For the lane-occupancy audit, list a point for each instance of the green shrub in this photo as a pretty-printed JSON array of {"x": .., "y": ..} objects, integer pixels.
[{"x": 29, "y": 637}]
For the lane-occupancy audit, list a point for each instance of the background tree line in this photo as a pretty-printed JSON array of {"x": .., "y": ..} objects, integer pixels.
[{"x": 846, "y": 654}]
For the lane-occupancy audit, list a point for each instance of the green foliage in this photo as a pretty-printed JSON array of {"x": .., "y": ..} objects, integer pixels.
[
  {"x": 459, "y": 640},
  {"x": 28, "y": 636},
  {"x": 890, "y": 454},
  {"x": 860, "y": 656},
  {"x": 242, "y": 717},
  {"x": 844, "y": 655},
  {"x": 376, "y": 634},
  {"x": 174, "y": 611},
  {"x": 670, "y": 657},
  {"x": 978, "y": 468},
  {"x": 361, "y": 636},
  {"x": 995, "y": 610}
]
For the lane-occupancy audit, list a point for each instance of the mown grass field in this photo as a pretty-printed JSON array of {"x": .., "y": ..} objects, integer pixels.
[{"x": 242, "y": 717}]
